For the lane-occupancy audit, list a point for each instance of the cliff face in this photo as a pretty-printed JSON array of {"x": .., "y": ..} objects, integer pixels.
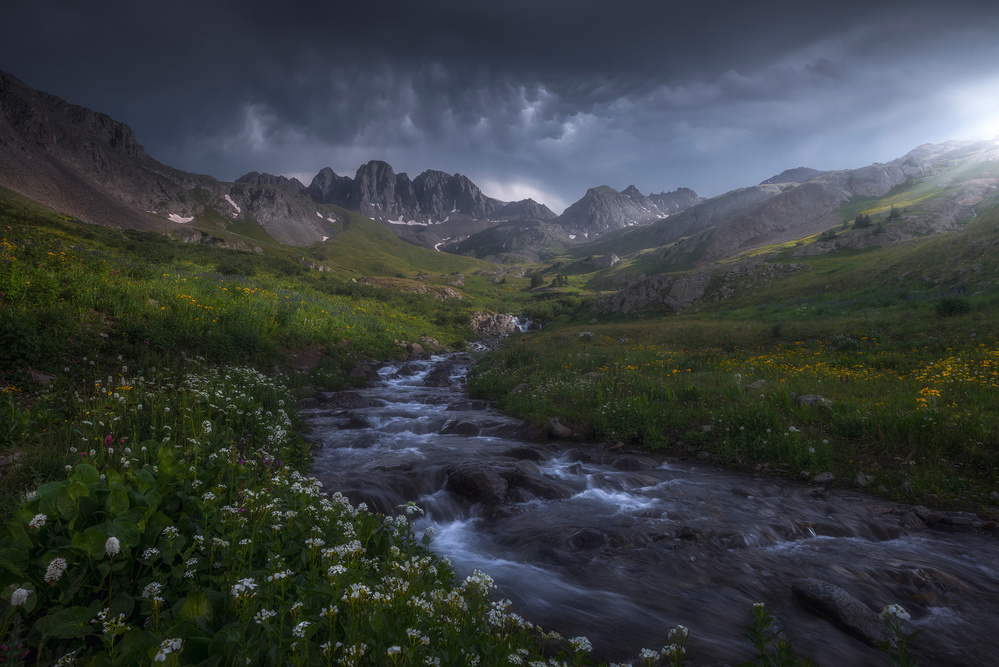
[
  {"x": 381, "y": 194},
  {"x": 86, "y": 164}
]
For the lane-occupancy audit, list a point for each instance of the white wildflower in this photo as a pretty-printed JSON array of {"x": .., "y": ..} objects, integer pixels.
[
  {"x": 55, "y": 570},
  {"x": 112, "y": 547},
  {"x": 18, "y": 597}
]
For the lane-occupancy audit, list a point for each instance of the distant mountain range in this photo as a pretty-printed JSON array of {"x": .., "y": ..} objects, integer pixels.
[
  {"x": 87, "y": 165},
  {"x": 91, "y": 166}
]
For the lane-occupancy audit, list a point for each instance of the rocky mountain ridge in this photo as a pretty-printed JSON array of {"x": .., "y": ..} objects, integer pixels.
[
  {"x": 86, "y": 164},
  {"x": 770, "y": 213}
]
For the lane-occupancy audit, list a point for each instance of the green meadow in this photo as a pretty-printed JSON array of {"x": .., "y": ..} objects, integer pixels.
[{"x": 155, "y": 490}]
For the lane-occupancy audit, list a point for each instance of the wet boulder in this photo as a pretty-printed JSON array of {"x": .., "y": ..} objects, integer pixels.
[
  {"x": 354, "y": 422},
  {"x": 366, "y": 371},
  {"x": 846, "y": 611},
  {"x": 588, "y": 538},
  {"x": 524, "y": 454},
  {"x": 480, "y": 481},
  {"x": 440, "y": 376},
  {"x": 516, "y": 431},
  {"x": 350, "y": 400},
  {"x": 631, "y": 463},
  {"x": 460, "y": 427}
]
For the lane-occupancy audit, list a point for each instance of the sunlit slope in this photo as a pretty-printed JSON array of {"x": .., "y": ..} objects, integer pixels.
[
  {"x": 934, "y": 186},
  {"x": 368, "y": 248}
]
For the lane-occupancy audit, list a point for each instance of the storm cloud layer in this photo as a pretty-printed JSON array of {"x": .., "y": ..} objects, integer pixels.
[{"x": 532, "y": 98}]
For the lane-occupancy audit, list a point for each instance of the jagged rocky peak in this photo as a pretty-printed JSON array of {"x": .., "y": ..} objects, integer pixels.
[
  {"x": 374, "y": 187},
  {"x": 441, "y": 194},
  {"x": 678, "y": 200},
  {"x": 525, "y": 209},
  {"x": 603, "y": 209},
  {"x": 632, "y": 191},
  {"x": 328, "y": 188},
  {"x": 796, "y": 175},
  {"x": 256, "y": 178}
]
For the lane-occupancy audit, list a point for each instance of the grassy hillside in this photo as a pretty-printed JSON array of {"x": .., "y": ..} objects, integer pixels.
[
  {"x": 899, "y": 344},
  {"x": 368, "y": 248}
]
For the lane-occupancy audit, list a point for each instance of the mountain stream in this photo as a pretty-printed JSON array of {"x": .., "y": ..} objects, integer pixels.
[{"x": 621, "y": 546}]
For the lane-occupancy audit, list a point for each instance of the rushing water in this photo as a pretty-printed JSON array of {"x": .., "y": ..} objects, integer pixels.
[{"x": 622, "y": 546}]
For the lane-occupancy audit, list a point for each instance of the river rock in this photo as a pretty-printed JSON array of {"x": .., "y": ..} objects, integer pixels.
[
  {"x": 366, "y": 371},
  {"x": 489, "y": 324},
  {"x": 307, "y": 403},
  {"x": 824, "y": 478},
  {"x": 516, "y": 431},
  {"x": 440, "y": 376},
  {"x": 350, "y": 400},
  {"x": 524, "y": 454},
  {"x": 540, "y": 486},
  {"x": 431, "y": 344},
  {"x": 480, "y": 481},
  {"x": 354, "y": 422},
  {"x": 631, "y": 463},
  {"x": 460, "y": 427},
  {"x": 846, "y": 611},
  {"x": 558, "y": 429},
  {"x": 911, "y": 521},
  {"x": 588, "y": 538}
]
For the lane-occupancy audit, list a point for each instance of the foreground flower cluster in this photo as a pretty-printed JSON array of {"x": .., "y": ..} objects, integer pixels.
[{"x": 181, "y": 535}]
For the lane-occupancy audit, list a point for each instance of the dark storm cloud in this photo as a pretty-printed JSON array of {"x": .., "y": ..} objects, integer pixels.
[{"x": 526, "y": 97}]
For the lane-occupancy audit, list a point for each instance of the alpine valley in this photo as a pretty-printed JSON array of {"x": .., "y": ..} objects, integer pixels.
[{"x": 767, "y": 414}]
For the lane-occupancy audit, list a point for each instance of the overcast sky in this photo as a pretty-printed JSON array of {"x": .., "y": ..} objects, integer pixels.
[{"x": 528, "y": 98}]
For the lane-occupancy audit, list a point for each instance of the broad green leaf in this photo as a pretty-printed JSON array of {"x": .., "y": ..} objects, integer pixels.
[
  {"x": 125, "y": 531},
  {"x": 14, "y": 560},
  {"x": 67, "y": 623},
  {"x": 24, "y": 516},
  {"x": 153, "y": 498},
  {"x": 47, "y": 497},
  {"x": 84, "y": 473},
  {"x": 122, "y": 603},
  {"x": 144, "y": 479},
  {"x": 19, "y": 533},
  {"x": 117, "y": 502},
  {"x": 195, "y": 605},
  {"x": 114, "y": 477},
  {"x": 91, "y": 542},
  {"x": 68, "y": 504}
]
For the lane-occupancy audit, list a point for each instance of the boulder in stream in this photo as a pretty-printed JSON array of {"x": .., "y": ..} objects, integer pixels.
[
  {"x": 480, "y": 481},
  {"x": 440, "y": 376},
  {"x": 846, "y": 611},
  {"x": 350, "y": 400}
]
